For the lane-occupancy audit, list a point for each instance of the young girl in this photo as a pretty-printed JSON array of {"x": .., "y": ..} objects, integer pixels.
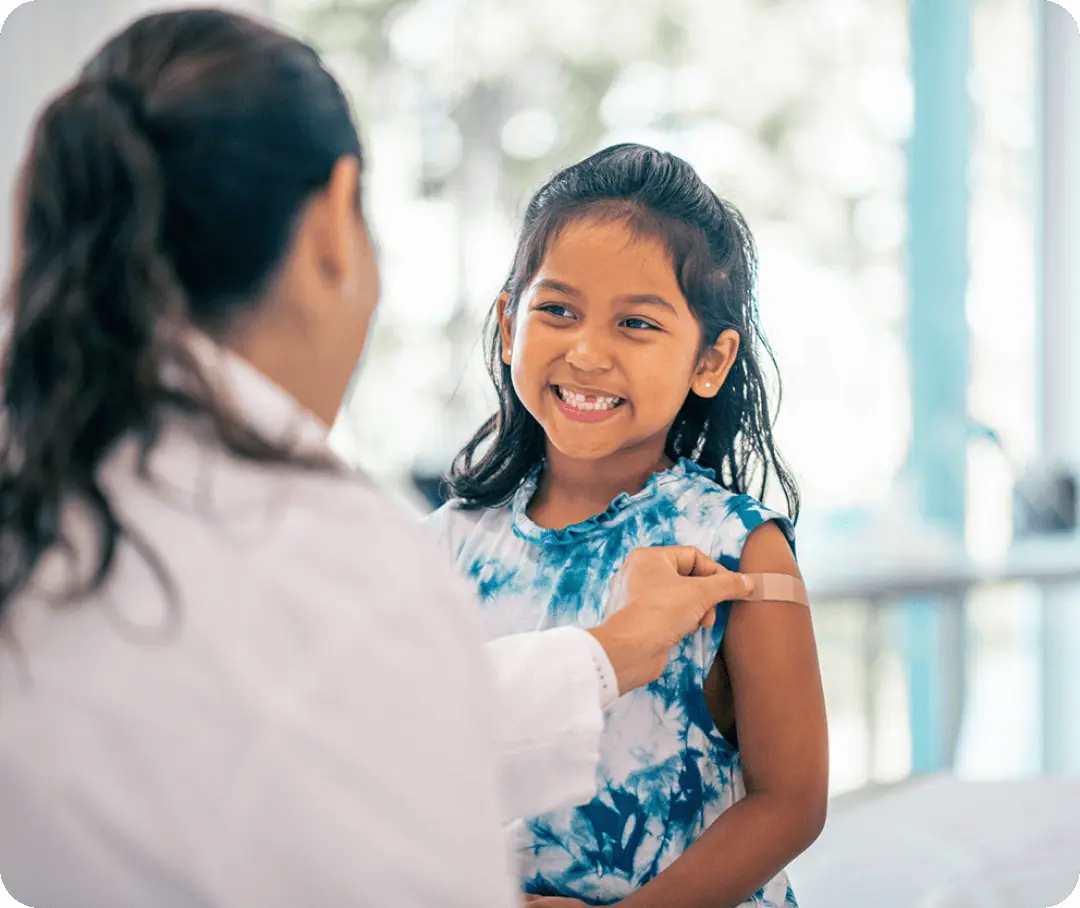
[{"x": 632, "y": 412}]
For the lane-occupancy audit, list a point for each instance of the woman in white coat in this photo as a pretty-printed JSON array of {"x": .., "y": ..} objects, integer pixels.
[{"x": 230, "y": 674}]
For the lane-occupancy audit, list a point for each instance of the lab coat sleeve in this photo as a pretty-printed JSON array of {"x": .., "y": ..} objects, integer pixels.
[{"x": 550, "y": 719}]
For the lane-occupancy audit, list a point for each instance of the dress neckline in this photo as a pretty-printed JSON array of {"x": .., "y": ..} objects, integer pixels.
[{"x": 622, "y": 505}]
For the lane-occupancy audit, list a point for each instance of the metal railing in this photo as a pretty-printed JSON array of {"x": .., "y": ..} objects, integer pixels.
[{"x": 876, "y": 597}]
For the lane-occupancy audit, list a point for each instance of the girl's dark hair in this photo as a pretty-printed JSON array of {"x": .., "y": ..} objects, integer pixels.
[
  {"x": 712, "y": 251},
  {"x": 160, "y": 190}
]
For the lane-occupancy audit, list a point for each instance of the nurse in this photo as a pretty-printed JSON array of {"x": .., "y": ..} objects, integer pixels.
[{"x": 230, "y": 673}]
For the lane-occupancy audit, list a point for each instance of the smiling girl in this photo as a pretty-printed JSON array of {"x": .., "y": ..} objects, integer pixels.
[{"x": 633, "y": 413}]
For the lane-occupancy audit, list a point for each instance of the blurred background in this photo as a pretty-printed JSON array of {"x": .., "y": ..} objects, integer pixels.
[
  {"x": 911, "y": 171},
  {"x": 888, "y": 160}
]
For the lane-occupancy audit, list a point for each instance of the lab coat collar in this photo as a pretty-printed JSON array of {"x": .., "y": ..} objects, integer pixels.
[{"x": 262, "y": 405}]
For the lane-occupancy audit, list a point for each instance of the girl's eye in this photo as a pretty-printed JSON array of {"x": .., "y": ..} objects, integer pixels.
[
  {"x": 639, "y": 324},
  {"x": 556, "y": 309}
]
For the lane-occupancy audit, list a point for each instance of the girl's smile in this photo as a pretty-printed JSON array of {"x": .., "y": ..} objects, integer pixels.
[{"x": 586, "y": 406}]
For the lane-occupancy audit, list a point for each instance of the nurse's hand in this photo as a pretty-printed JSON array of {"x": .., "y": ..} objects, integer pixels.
[{"x": 660, "y": 596}]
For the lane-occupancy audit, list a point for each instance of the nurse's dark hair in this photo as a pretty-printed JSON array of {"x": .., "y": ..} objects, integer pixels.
[
  {"x": 712, "y": 252},
  {"x": 160, "y": 190}
]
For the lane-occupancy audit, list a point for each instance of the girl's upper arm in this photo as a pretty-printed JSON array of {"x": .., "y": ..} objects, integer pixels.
[{"x": 772, "y": 661}]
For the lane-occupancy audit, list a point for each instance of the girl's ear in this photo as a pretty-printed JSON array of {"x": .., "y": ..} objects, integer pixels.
[
  {"x": 506, "y": 327},
  {"x": 715, "y": 365}
]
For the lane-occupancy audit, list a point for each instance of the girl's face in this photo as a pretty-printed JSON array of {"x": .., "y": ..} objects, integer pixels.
[{"x": 603, "y": 347}]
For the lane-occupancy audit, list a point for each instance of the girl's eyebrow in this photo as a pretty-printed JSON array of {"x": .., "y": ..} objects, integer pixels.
[
  {"x": 647, "y": 299},
  {"x": 558, "y": 286},
  {"x": 642, "y": 299}
]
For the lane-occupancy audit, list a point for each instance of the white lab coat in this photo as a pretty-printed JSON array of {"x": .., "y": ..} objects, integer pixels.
[{"x": 318, "y": 726}]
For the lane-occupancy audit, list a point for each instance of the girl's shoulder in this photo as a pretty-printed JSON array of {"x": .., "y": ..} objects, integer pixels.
[
  {"x": 453, "y": 524},
  {"x": 727, "y": 518}
]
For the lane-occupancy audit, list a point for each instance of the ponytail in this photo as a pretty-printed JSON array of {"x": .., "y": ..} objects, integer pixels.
[
  {"x": 160, "y": 193},
  {"x": 88, "y": 299}
]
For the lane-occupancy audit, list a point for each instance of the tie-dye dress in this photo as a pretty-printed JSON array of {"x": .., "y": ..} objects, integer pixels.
[{"x": 666, "y": 773}]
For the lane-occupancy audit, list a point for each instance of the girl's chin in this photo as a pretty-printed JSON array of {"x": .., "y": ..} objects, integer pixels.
[
  {"x": 567, "y": 448},
  {"x": 581, "y": 448}
]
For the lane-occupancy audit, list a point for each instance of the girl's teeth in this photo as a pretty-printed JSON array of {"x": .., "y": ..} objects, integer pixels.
[{"x": 581, "y": 402}]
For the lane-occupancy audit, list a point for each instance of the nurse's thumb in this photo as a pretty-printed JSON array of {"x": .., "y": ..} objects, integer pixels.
[{"x": 724, "y": 586}]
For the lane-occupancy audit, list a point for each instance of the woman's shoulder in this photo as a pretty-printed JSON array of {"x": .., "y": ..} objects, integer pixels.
[
  {"x": 350, "y": 528},
  {"x": 275, "y": 522},
  {"x": 342, "y": 558}
]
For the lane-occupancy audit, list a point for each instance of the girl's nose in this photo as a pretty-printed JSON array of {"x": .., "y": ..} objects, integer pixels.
[{"x": 588, "y": 356}]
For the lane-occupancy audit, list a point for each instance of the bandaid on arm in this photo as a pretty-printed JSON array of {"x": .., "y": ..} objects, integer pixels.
[{"x": 777, "y": 588}]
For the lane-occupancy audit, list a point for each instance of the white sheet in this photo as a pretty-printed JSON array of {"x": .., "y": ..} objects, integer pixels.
[{"x": 943, "y": 843}]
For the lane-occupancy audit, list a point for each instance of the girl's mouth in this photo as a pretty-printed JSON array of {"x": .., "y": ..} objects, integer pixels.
[{"x": 583, "y": 406}]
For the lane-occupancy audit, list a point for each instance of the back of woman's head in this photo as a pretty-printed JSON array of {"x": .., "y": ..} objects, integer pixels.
[
  {"x": 659, "y": 196},
  {"x": 160, "y": 190}
]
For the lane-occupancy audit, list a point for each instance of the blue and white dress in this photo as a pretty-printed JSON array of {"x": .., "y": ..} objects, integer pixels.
[{"x": 666, "y": 773}]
